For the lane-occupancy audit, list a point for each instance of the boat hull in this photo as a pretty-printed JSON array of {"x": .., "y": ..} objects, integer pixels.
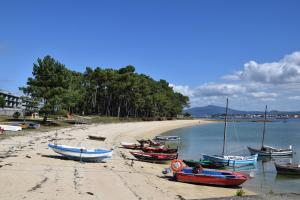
[
  {"x": 10, "y": 128},
  {"x": 92, "y": 137},
  {"x": 205, "y": 164},
  {"x": 154, "y": 156},
  {"x": 81, "y": 153},
  {"x": 158, "y": 150},
  {"x": 232, "y": 160},
  {"x": 149, "y": 143},
  {"x": 211, "y": 177},
  {"x": 288, "y": 169},
  {"x": 166, "y": 138},
  {"x": 274, "y": 152},
  {"x": 128, "y": 145}
]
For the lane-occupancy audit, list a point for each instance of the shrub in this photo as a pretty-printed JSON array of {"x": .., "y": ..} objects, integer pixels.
[
  {"x": 240, "y": 192},
  {"x": 16, "y": 115},
  {"x": 63, "y": 112},
  {"x": 2, "y": 102}
]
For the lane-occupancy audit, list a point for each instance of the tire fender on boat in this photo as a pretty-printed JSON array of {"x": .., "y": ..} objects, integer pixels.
[{"x": 177, "y": 165}]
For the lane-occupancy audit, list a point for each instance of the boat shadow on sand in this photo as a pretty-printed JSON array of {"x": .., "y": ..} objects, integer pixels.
[
  {"x": 148, "y": 161},
  {"x": 73, "y": 159}
]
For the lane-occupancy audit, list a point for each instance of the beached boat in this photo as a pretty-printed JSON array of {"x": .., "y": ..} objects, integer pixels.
[
  {"x": 231, "y": 160},
  {"x": 25, "y": 125},
  {"x": 10, "y": 128},
  {"x": 33, "y": 125},
  {"x": 166, "y": 138},
  {"x": 267, "y": 150},
  {"x": 130, "y": 145},
  {"x": 210, "y": 177},
  {"x": 149, "y": 142},
  {"x": 292, "y": 169},
  {"x": 81, "y": 153},
  {"x": 158, "y": 150},
  {"x": 154, "y": 156},
  {"x": 205, "y": 164},
  {"x": 93, "y": 137}
]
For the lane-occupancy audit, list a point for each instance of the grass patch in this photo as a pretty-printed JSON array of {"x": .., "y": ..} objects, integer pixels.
[{"x": 240, "y": 192}]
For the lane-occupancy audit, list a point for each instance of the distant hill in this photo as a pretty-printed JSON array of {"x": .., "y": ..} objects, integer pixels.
[{"x": 214, "y": 110}]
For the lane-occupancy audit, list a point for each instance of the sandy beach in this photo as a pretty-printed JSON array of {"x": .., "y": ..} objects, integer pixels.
[{"x": 30, "y": 170}]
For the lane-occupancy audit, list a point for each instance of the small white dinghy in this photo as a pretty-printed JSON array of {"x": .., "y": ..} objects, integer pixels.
[
  {"x": 10, "y": 128},
  {"x": 81, "y": 153}
]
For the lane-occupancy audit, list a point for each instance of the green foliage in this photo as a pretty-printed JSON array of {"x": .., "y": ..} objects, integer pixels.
[
  {"x": 240, "y": 192},
  {"x": 187, "y": 114},
  {"x": 62, "y": 112},
  {"x": 31, "y": 105},
  {"x": 2, "y": 102},
  {"x": 116, "y": 93},
  {"x": 271, "y": 191},
  {"x": 16, "y": 115},
  {"x": 56, "y": 86}
]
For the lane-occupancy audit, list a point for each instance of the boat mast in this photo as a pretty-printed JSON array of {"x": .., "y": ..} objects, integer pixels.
[
  {"x": 264, "y": 131},
  {"x": 225, "y": 128}
]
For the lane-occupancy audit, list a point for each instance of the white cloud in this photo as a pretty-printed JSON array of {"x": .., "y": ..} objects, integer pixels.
[
  {"x": 268, "y": 99},
  {"x": 232, "y": 77},
  {"x": 294, "y": 97},
  {"x": 183, "y": 89},
  {"x": 287, "y": 70},
  {"x": 264, "y": 95},
  {"x": 256, "y": 84},
  {"x": 222, "y": 89}
]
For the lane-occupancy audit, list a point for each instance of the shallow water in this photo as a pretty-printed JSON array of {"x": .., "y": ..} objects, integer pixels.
[{"x": 208, "y": 139}]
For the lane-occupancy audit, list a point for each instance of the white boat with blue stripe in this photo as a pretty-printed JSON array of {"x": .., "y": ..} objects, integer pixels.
[
  {"x": 81, "y": 153},
  {"x": 231, "y": 160}
]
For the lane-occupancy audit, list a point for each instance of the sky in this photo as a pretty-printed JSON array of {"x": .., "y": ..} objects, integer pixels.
[{"x": 248, "y": 51}]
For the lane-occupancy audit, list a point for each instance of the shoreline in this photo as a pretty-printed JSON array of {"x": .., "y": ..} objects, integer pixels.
[{"x": 30, "y": 170}]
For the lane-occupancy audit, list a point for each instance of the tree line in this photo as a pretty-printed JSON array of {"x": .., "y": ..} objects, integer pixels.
[{"x": 99, "y": 91}]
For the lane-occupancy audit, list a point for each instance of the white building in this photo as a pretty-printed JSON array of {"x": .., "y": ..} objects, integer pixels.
[{"x": 13, "y": 103}]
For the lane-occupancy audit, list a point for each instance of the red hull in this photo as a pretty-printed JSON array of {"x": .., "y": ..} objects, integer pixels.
[
  {"x": 149, "y": 142},
  {"x": 131, "y": 146},
  {"x": 158, "y": 150},
  {"x": 238, "y": 179},
  {"x": 154, "y": 156}
]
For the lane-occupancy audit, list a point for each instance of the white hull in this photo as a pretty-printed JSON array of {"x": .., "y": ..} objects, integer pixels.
[
  {"x": 82, "y": 154},
  {"x": 271, "y": 151},
  {"x": 232, "y": 160},
  {"x": 128, "y": 143},
  {"x": 11, "y": 128}
]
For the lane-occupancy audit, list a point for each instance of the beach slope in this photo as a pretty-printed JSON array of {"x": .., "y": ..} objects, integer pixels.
[{"x": 30, "y": 170}]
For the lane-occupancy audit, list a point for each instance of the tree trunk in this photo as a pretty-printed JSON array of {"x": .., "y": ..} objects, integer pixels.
[
  {"x": 45, "y": 118},
  {"x": 119, "y": 108}
]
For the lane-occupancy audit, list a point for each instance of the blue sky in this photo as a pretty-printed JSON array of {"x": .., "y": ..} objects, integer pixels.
[{"x": 203, "y": 48}]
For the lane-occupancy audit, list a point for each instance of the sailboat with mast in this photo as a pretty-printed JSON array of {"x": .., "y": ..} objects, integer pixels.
[
  {"x": 230, "y": 160},
  {"x": 268, "y": 150}
]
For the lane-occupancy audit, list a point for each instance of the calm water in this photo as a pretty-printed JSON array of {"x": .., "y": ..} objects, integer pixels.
[{"x": 208, "y": 139}]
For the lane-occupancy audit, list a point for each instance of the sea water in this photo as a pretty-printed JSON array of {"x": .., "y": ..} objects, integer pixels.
[{"x": 208, "y": 139}]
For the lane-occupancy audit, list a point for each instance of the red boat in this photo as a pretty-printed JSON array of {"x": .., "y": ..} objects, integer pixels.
[
  {"x": 142, "y": 144},
  {"x": 205, "y": 176},
  {"x": 154, "y": 156},
  {"x": 149, "y": 143},
  {"x": 158, "y": 150},
  {"x": 211, "y": 177}
]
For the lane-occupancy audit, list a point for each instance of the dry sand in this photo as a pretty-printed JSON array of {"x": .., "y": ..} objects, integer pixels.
[{"x": 30, "y": 170}]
